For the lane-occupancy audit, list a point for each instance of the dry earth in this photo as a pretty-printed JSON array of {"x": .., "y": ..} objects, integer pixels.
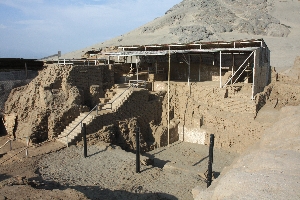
[
  {"x": 55, "y": 172},
  {"x": 270, "y": 170}
]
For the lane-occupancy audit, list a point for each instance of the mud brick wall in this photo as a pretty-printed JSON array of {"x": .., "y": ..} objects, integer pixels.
[
  {"x": 201, "y": 110},
  {"x": 53, "y": 99},
  {"x": 147, "y": 108},
  {"x": 11, "y": 80},
  {"x": 262, "y": 73}
]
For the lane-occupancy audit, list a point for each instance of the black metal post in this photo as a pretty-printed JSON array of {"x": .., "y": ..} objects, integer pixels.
[
  {"x": 83, "y": 131},
  {"x": 210, "y": 160},
  {"x": 137, "y": 135}
]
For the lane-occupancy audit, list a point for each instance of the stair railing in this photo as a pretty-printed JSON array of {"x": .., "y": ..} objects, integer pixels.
[
  {"x": 131, "y": 86},
  {"x": 97, "y": 109},
  {"x": 238, "y": 70}
]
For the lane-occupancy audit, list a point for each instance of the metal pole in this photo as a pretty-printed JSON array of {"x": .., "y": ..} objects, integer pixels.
[
  {"x": 253, "y": 84},
  {"x": 137, "y": 136},
  {"x": 233, "y": 61},
  {"x": 27, "y": 142},
  {"x": 210, "y": 160},
  {"x": 189, "y": 70},
  {"x": 137, "y": 71},
  {"x": 10, "y": 147},
  {"x": 67, "y": 141},
  {"x": 220, "y": 69},
  {"x": 131, "y": 67},
  {"x": 26, "y": 72},
  {"x": 169, "y": 96},
  {"x": 83, "y": 131}
]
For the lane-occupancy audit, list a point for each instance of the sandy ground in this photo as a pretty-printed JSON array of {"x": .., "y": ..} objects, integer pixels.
[
  {"x": 268, "y": 170},
  {"x": 107, "y": 173}
]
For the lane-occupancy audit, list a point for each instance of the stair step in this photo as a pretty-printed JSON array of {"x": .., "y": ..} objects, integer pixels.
[{"x": 111, "y": 105}]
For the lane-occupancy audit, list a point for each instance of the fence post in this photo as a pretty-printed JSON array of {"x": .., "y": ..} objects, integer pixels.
[
  {"x": 210, "y": 160},
  {"x": 137, "y": 135},
  {"x": 67, "y": 141},
  {"x": 83, "y": 131},
  {"x": 27, "y": 142}
]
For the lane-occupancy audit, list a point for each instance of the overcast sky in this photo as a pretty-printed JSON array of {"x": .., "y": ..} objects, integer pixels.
[{"x": 39, "y": 28}]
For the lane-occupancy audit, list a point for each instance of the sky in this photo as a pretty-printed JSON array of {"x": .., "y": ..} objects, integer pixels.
[{"x": 40, "y": 28}]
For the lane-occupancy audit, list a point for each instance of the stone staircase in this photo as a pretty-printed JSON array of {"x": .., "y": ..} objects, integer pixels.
[
  {"x": 68, "y": 137},
  {"x": 113, "y": 100},
  {"x": 118, "y": 99}
]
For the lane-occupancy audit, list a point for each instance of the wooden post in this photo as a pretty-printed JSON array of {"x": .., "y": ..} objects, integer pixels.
[
  {"x": 27, "y": 143},
  {"x": 137, "y": 138},
  {"x": 83, "y": 131},
  {"x": 210, "y": 160},
  {"x": 169, "y": 96}
]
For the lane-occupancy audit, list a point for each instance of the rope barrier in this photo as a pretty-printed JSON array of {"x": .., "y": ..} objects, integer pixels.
[
  {"x": 14, "y": 155},
  {"x": 5, "y": 143}
]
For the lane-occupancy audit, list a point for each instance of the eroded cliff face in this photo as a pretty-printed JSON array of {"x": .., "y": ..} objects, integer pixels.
[{"x": 44, "y": 107}]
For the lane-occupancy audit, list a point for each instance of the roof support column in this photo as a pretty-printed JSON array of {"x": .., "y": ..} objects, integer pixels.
[
  {"x": 253, "y": 76},
  {"x": 220, "y": 69},
  {"x": 169, "y": 70},
  {"x": 137, "y": 71},
  {"x": 233, "y": 61},
  {"x": 189, "y": 72}
]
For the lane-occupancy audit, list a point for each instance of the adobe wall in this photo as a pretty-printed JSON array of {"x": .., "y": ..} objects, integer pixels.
[
  {"x": 203, "y": 109},
  {"x": 146, "y": 110},
  {"x": 13, "y": 79},
  {"x": 262, "y": 72},
  {"x": 53, "y": 99}
]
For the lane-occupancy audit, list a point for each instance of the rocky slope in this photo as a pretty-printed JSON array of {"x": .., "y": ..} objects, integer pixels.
[{"x": 202, "y": 20}]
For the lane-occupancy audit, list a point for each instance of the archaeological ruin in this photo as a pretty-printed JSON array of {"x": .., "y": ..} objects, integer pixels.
[{"x": 170, "y": 91}]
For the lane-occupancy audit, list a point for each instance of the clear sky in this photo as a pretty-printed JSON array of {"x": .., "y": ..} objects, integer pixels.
[{"x": 39, "y": 28}]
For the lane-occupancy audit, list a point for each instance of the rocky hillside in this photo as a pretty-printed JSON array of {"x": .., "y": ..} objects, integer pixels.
[{"x": 203, "y": 20}]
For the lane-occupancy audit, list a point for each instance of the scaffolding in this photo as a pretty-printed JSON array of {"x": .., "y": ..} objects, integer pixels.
[{"x": 249, "y": 60}]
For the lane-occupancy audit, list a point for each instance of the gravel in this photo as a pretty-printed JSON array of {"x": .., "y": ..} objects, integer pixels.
[{"x": 109, "y": 172}]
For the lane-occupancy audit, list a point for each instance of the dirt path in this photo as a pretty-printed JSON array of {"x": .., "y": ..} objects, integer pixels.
[{"x": 107, "y": 173}]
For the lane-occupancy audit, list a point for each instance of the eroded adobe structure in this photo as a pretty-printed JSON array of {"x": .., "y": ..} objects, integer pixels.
[{"x": 172, "y": 92}]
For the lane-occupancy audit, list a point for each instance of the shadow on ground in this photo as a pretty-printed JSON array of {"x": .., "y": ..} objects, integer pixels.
[
  {"x": 4, "y": 177},
  {"x": 96, "y": 192}
]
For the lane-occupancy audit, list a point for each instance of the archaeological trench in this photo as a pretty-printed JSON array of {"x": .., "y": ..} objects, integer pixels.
[{"x": 171, "y": 92}]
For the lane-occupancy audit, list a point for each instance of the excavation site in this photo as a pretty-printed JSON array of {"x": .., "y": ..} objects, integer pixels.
[{"x": 161, "y": 121}]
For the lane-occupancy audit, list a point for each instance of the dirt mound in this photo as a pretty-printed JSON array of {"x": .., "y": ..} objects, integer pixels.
[{"x": 43, "y": 108}]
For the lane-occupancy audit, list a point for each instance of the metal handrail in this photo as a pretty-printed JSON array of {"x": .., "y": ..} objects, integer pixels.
[
  {"x": 238, "y": 70},
  {"x": 137, "y": 84},
  {"x": 130, "y": 86},
  {"x": 96, "y": 107},
  {"x": 6, "y": 143}
]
